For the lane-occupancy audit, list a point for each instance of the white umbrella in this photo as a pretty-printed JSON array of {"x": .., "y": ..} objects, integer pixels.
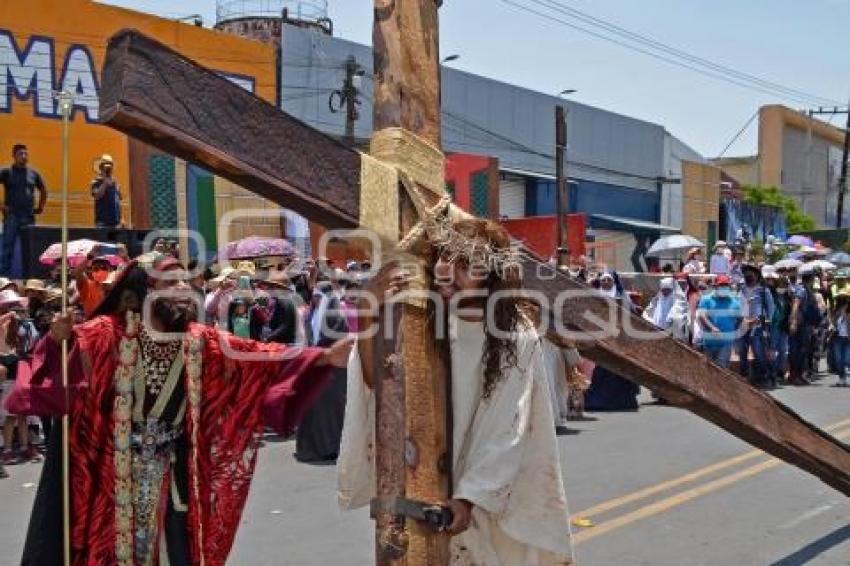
[
  {"x": 673, "y": 245},
  {"x": 788, "y": 264},
  {"x": 821, "y": 264}
]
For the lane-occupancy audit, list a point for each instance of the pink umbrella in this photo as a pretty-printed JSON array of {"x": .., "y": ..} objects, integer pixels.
[
  {"x": 78, "y": 250},
  {"x": 256, "y": 246}
]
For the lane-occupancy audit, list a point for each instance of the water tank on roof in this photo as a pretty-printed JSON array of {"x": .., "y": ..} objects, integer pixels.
[{"x": 262, "y": 19}]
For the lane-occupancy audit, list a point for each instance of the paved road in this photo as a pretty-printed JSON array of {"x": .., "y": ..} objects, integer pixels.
[{"x": 662, "y": 488}]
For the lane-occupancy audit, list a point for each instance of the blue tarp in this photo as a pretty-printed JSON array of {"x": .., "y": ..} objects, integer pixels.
[{"x": 760, "y": 221}]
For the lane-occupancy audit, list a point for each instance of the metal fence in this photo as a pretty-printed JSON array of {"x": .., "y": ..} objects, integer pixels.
[{"x": 310, "y": 10}]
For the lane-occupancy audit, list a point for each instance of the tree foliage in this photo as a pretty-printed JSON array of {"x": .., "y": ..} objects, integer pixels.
[{"x": 796, "y": 220}]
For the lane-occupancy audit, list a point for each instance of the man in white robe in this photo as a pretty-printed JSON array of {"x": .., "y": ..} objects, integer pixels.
[{"x": 508, "y": 494}]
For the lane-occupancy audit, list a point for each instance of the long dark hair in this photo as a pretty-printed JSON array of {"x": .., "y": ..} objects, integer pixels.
[
  {"x": 500, "y": 351},
  {"x": 135, "y": 280}
]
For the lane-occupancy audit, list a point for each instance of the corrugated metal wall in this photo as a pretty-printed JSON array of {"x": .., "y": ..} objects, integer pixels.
[
  {"x": 512, "y": 197},
  {"x": 481, "y": 115}
]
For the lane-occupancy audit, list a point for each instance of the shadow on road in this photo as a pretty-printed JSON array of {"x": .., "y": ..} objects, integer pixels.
[{"x": 816, "y": 548}]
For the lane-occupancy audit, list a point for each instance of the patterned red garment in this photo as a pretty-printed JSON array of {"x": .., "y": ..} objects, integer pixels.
[{"x": 238, "y": 398}]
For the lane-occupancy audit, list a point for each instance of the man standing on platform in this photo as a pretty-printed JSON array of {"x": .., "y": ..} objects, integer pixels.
[
  {"x": 107, "y": 195},
  {"x": 19, "y": 211}
]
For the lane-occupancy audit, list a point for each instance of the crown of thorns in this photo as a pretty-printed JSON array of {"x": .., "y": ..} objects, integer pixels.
[{"x": 478, "y": 252}]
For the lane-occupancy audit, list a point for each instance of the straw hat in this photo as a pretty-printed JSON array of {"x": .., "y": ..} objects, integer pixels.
[
  {"x": 53, "y": 294},
  {"x": 35, "y": 285},
  {"x": 245, "y": 268},
  {"x": 225, "y": 273}
]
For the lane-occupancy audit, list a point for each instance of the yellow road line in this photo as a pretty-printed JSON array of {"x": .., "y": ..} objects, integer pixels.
[
  {"x": 686, "y": 478},
  {"x": 679, "y": 498}
]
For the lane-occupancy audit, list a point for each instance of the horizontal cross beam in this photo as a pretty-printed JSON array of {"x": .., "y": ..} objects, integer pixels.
[
  {"x": 686, "y": 378},
  {"x": 156, "y": 95}
]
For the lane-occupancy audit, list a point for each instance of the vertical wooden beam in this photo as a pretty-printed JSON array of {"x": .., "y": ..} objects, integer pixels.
[
  {"x": 407, "y": 96},
  {"x": 139, "y": 189},
  {"x": 391, "y": 540},
  {"x": 407, "y": 67}
]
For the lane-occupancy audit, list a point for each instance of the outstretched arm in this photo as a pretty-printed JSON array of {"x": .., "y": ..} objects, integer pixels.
[{"x": 297, "y": 378}]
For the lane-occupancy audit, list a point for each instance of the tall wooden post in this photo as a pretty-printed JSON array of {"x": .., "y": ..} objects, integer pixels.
[
  {"x": 560, "y": 183},
  {"x": 407, "y": 96}
]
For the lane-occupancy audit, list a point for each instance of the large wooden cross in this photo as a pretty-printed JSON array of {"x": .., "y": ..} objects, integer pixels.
[{"x": 156, "y": 95}]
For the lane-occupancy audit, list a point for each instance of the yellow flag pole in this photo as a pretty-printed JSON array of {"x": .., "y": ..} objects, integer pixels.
[{"x": 66, "y": 105}]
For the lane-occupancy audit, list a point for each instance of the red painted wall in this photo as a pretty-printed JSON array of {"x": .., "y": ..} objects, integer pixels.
[
  {"x": 538, "y": 233},
  {"x": 460, "y": 167}
]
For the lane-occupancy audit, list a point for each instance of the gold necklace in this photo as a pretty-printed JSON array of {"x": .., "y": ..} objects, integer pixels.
[{"x": 158, "y": 358}]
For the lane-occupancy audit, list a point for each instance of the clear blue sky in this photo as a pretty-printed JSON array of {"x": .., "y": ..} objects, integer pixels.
[{"x": 801, "y": 45}]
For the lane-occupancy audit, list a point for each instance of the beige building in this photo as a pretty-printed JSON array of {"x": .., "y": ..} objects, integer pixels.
[
  {"x": 700, "y": 200},
  {"x": 799, "y": 154}
]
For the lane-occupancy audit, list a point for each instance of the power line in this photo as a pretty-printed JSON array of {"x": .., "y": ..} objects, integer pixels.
[
  {"x": 667, "y": 54},
  {"x": 650, "y": 42},
  {"x": 739, "y": 134}
]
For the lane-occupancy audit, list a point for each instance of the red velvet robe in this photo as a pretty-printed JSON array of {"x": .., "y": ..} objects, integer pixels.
[{"x": 237, "y": 398}]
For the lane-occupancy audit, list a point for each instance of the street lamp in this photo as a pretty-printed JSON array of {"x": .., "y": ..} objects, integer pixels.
[{"x": 450, "y": 58}]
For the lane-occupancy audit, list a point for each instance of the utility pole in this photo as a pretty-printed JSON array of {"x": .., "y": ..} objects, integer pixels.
[
  {"x": 842, "y": 182},
  {"x": 348, "y": 96},
  {"x": 560, "y": 182}
]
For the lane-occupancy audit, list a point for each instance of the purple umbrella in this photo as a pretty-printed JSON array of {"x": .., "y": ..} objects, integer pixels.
[
  {"x": 256, "y": 246},
  {"x": 800, "y": 241}
]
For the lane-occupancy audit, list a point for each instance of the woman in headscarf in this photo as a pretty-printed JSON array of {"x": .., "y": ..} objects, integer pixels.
[
  {"x": 668, "y": 310},
  {"x": 608, "y": 391}
]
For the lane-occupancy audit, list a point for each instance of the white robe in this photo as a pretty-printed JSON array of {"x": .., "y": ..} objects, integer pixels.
[
  {"x": 556, "y": 374},
  {"x": 505, "y": 456}
]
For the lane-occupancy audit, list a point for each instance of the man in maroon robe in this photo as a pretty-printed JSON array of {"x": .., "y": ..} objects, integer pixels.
[{"x": 163, "y": 432}]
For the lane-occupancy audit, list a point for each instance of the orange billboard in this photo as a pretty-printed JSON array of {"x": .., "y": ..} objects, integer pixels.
[{"x": 48, "y": 46}]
